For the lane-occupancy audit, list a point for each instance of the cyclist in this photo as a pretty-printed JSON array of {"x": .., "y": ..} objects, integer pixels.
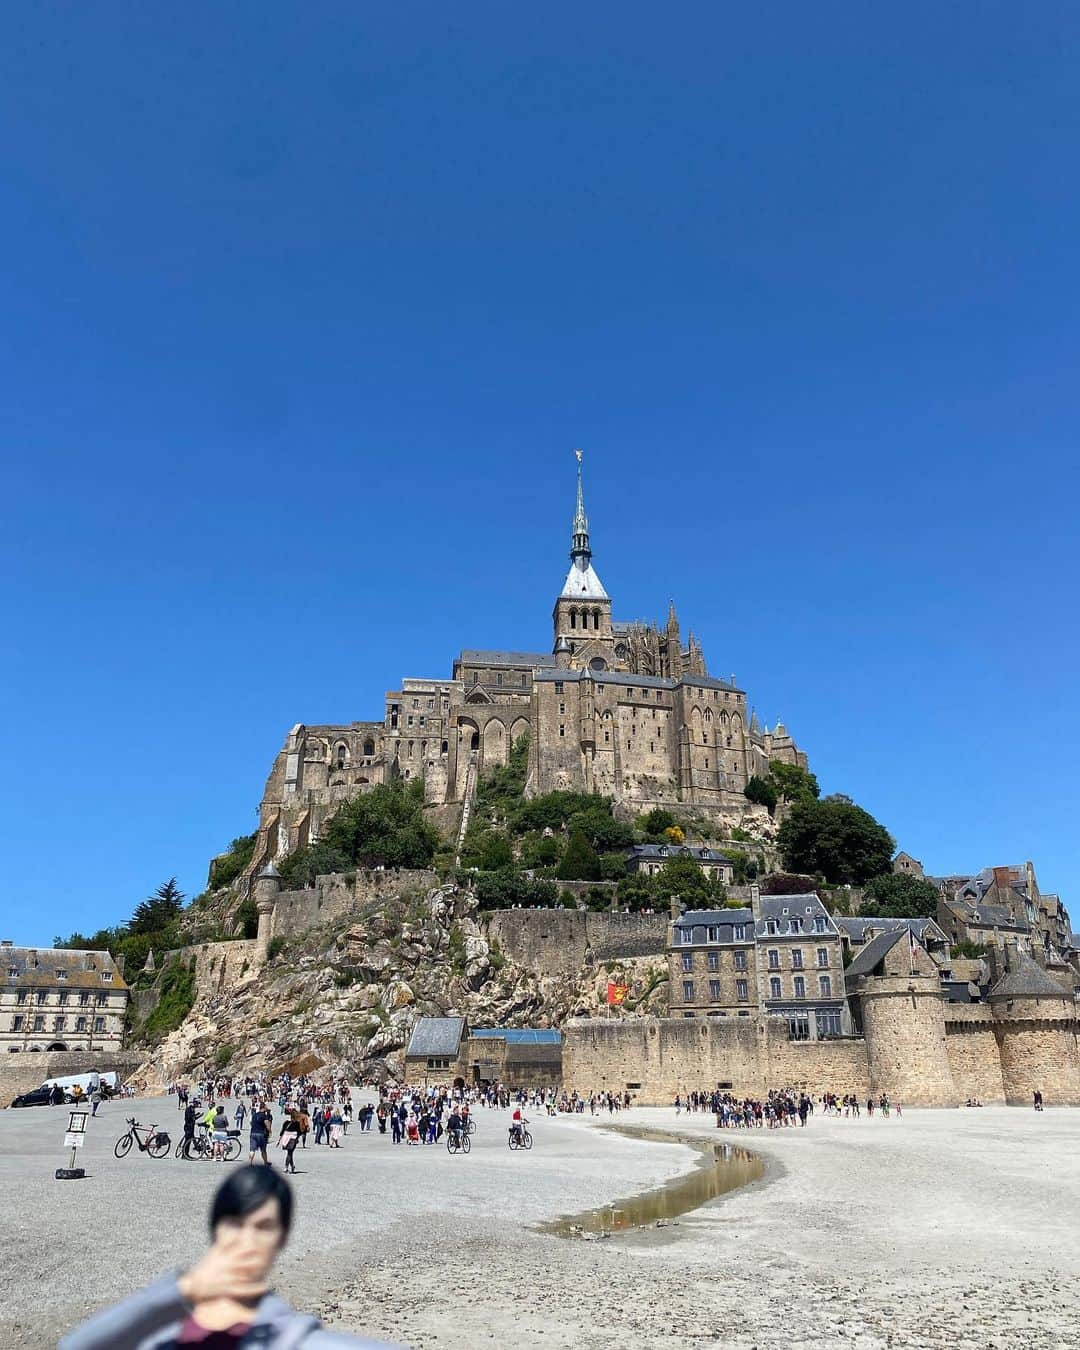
[
  {"x": 518, "y": 1122},
  {"x": 189, "y": 1128},
  {"x": 464, "y": 1109},
  {"x": 455, "y": 1125}
]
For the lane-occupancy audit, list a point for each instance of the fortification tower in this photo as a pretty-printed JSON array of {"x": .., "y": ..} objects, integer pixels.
[
  {"x": 1036, "y": 1028},
  {"x": 903, "y": 1020},
  {"x": 267, "y": 885}
]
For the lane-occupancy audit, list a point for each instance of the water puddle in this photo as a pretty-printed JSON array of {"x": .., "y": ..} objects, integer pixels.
[{"x": 721, "y": 1168}]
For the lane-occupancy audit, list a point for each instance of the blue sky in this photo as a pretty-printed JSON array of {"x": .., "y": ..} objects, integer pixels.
[{"x": 303, "y": 309}]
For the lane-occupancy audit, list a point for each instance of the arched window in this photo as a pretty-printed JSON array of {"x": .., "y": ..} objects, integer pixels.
[
  {"x": 596, "y": 618},
  {"x": 445, "y": 748},
  {"x": 708, "y": 714},
  {"x": 342, "y": 755},
  {"x": 369, "y": 747},
  {"x": 573, "y": 618}
]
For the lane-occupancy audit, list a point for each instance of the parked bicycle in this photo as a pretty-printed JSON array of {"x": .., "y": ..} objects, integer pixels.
[
  {"x": 200, "y": 1147},
  {"x": 148, "y": 1137},
  {"x": 458, "y": 1141}
]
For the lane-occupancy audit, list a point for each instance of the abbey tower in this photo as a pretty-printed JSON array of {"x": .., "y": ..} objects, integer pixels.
[{"x": 621, "y": 708}]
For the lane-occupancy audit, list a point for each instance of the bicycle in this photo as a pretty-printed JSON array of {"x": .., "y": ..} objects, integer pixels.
[
  {"x": 458, "y": 1141},
  {"x": 157, "y": 1142},
  {"x": 519, "y": 1138},
  {"x": 201, "y": 1146},
  {"x": 471, "y": 1126}
]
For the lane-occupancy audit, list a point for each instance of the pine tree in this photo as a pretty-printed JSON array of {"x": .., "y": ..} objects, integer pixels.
[
  {"x": 158, "y": 910},
  {"x": 580, "y": 862}
]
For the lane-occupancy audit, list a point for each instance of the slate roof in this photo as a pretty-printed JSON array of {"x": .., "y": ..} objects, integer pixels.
[
  {"x": 718, "y": 918},
  {"x": 802, "y": 907},
  {"x": 993, "y": 916},
  {"x": 519, "y": 1035},
  {"x": 874, "y": 953},
  {"x": 436, "y": 1036},
  {"x": 678, "y": 851},
  {"x": 82, "y": 970},
  {"x": 472, "y": 657},
  {"x": 856, "y": 926},
  {"x": 1026, "y": 979},
  {"x": 582, "y": 583}
]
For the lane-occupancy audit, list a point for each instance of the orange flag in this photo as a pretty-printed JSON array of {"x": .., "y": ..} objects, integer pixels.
[{"x": 616, "y": 993}]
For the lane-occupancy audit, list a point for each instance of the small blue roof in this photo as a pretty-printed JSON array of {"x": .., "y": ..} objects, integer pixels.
[{"x": 519, "y": 1035}]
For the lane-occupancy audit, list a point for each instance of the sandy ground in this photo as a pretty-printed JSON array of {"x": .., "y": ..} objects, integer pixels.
[{"x": 945, "y": 1228}]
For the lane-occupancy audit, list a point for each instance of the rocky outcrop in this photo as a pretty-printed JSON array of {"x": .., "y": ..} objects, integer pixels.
[{"x": 347, "y": 994}]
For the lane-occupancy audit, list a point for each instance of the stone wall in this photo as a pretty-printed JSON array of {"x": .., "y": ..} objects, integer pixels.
[
  {"x": 903, "y": 1021},
  {"x": 1038, "y": 1051},
  {"x": 340, "y": 896},
  {"x": 563, "y": 941},
  {"x": 25, "y": 1071},
  {"x": 974, "y": 1055},
  {"x": 654, "y": 1058}
]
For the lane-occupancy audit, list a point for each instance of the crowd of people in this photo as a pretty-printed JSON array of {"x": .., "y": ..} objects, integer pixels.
[{"x": 785, "y": 1107}]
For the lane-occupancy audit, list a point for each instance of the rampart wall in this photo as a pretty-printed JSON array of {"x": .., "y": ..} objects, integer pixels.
[
  {"x": 657, "y": 1057},
  {"x": 341, "y": 895},
  {"x": 563, "y": 941},
  {"x": 974, "y": 1054}
]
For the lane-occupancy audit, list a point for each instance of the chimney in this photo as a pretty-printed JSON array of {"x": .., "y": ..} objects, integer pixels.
[
  {"x": 1001, "y": 877},
  {"x": 676, "y": 908},
  {"x": 119, "y": 962},
  {"x": 755, "y": 899}
]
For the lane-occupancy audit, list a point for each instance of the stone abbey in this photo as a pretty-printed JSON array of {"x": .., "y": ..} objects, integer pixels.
[{"x": 624, "y": 709}]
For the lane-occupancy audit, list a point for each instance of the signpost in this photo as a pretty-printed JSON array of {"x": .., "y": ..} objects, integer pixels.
[{"x": 74, "y": 1139}]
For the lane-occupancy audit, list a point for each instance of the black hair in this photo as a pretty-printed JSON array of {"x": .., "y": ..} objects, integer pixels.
[{"x": 245, "y": 1190}]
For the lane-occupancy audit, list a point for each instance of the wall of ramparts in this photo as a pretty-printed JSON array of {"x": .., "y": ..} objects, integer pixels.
[
  {"x": 338, "y": 897},
  {"x": 655, "y": 1058},
  {"x": 973, "y": 1051},
  {"x": 562, "y": 941}
]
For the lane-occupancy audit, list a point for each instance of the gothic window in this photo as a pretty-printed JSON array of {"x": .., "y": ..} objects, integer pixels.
[
  {"x": 708, "y": 714},
  {"x": 573, "y": 618}
]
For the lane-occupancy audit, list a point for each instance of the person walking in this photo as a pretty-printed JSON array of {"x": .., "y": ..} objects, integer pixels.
[
  {"x": 220, "y": 1133},
  {"x": 241, "y": 1112},
  {"x": 288, "y": 1139},
  {"x": 259, "y": 1137}
]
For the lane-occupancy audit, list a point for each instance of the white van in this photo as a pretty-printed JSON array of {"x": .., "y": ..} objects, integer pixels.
[{"x": 87, "y": 1081}]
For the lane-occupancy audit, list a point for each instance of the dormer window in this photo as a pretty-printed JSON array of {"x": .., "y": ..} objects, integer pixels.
[
  {"x": 663, "y": 852},
  {"x": 13, "y": 970},
  {"x": 770, "y": 926},
  {"x": 795, "y": 926},
  {"x": 61, "y": 974},
  {"x": 106, "y": 975}
]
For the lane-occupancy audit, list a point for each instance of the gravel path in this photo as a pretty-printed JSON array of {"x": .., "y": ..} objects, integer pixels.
[{"x": 946, "y": 1228}]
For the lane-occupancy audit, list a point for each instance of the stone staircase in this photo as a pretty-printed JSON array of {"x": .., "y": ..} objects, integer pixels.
[{"x": 466, "y": 808}]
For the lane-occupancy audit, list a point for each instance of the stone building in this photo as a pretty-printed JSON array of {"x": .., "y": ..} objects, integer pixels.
[
  {"x": 52, "y": 999},
  {"x": 650, "y": 860},
  {"x": 627, "y": 709},
  {"x": 445, "y": 1050},
  {"x": 909, "y": 1039},
  {"x": 779, "y": 959}
]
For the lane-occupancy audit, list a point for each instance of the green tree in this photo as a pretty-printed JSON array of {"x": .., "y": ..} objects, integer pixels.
[
  {"x": 159, "y": 910},
  {"x": 580, "y": 862},
  {"x": 896, "y": 896},
  {"x": 793, "y": 782},
  {"x": 636, "y": 891},
  {"x": 538, "y": 850},
  {"x": 788, "y": 883},
  {"x": 228, "y": 867},
  {"x": 384, "y": 827},
  {"x": 653, "y": 823},
  {"x": 762, "y": 791},
  {"x": 682, "y": 876},
  {"x": 837, "y": 840},
  {"x": 613, "y": 866}
]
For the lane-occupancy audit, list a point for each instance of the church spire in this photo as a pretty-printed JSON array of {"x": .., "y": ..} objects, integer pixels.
[{"x": 580, "y": 552}]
